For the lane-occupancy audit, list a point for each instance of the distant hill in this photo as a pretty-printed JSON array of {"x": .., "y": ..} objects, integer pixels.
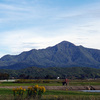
[
  {"x": 53, "y": 72},
  {"x": 64, "y": 54}
]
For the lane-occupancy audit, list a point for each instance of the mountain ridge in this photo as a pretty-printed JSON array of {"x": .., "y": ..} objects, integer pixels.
[{"x": 63, "y": 54}]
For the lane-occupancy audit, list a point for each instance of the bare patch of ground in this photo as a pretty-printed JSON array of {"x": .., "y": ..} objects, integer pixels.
[{"x": 60, "y": 87}]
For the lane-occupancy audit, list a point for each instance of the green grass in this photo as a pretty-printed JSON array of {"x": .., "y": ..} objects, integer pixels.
[
  {"x": 7, "y": 94},
  {"x": 83, "y": 83},
  {"x": 50, "y": 82},
  {"x": 61, "y": 92},
  {"x": 70, "y": 97},
  {"x": 29, "y": 84},
  {"x": 4, "y": 91}
]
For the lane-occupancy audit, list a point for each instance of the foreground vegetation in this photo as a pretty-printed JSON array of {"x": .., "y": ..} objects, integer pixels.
[{"x": 7, "y": 93}]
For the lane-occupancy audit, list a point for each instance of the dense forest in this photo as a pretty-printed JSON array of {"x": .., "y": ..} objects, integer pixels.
[{"x": 51, "y": 73}]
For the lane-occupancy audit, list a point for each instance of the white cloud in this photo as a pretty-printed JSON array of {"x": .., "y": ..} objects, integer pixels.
[
  {"x": 24, "y": 40},
  {"x": 27, "y": 26}
]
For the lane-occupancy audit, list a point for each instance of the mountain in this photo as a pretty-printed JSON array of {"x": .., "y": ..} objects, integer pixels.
[{"x": 64, "y": 54}]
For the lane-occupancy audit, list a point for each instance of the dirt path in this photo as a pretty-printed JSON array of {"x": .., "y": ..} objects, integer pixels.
[
  {"x": 72, "y": 87},
  {"x": 60, "y": 87}
]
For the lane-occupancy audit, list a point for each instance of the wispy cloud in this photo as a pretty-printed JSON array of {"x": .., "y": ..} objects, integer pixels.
[{"x": 25, "y": 25}]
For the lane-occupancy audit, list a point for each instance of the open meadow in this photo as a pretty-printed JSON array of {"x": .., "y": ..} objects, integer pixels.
[{"x": 54, "y": 89}]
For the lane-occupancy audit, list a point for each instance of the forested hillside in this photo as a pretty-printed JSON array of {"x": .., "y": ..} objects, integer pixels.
[
  {"x": 53, "y": 73},
  {"x": 64, "y": 54}
]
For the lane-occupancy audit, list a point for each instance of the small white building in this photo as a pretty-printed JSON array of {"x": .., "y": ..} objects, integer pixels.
[{"x": 58, "y": 77}]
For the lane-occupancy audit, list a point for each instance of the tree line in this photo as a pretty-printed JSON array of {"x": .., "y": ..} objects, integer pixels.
[
  {"x": 4, "y": 76},
  {"x": 51, "y": 73}
]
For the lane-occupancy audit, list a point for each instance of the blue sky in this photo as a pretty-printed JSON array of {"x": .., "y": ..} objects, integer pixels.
[{"x": 37, "y": 24}]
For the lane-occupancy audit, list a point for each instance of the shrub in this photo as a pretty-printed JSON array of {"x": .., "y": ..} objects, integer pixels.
[
  {"x": 18, "y": 93},
  {"x": 32, "y": 92},
  {"x": 36, "y": 91}
]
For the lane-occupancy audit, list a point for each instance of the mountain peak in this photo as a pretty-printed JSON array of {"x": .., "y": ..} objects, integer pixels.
[
  {"x": 66, "y": 44},
  {"x": 64, "y": 54}
]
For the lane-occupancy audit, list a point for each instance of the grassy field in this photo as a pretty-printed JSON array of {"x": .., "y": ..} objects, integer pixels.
[
  {"x": 7, "y": 94},
  {"x": 44, "y": 82},
  {"x": 4, "y": 91}
]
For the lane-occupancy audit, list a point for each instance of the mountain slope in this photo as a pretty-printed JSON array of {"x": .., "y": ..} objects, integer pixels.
[{"x": 64, "y": 54}]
